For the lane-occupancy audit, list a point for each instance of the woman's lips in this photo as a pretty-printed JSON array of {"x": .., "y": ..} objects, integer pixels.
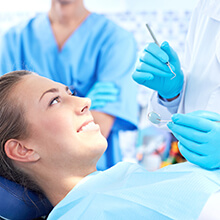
[{"x": 88, "y": 126}]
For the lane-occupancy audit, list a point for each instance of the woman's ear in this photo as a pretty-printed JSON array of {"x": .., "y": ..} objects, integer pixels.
[{"x": 15, "y": 150}]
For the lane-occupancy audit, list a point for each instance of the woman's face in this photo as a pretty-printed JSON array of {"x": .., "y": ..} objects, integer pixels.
[{"x": 61, "y": 127}]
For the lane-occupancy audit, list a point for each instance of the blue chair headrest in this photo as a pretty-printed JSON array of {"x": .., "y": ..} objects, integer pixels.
[{"x": 19, "y": 204}]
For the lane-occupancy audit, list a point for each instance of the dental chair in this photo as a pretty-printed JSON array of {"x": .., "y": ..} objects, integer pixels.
[{"x": 16, "y": 203}]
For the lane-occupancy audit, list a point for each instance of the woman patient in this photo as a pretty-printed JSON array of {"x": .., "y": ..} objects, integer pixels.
[{"x": 50, "y": 144}]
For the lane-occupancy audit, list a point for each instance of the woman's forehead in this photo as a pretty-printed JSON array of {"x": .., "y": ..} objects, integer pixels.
[
  {"x": 36, "y": 83},
  {"x": 31, "y": 87},
  {"x": 34, "y": 79}
]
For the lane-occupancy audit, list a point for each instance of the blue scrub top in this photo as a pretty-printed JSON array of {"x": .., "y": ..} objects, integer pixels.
[
  {"x": 128, "y": 191},
  {"x": 98, "y": 50}
]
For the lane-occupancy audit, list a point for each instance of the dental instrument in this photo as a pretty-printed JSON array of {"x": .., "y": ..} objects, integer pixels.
[
  {"x": 156, "y": 118},
  {"x": 155, "y": 40}
]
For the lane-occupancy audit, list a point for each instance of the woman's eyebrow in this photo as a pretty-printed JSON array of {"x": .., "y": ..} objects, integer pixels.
[
  {"x": 52, "y": 90},
  {"x": 49, "y": 90}
]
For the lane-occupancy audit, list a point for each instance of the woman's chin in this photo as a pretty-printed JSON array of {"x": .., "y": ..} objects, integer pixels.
[{"x": 102, "y": 142}]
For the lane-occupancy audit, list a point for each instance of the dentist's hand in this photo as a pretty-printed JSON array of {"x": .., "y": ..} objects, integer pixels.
[
  {"x": 102, "y": 93},
  {"x": 199, "y": 137},
  {"x": 152, "y": 71}
]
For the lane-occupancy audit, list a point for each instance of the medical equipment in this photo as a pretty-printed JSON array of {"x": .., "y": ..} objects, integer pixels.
[
  {"x": 155, "y": 40},
  {"x": 156, "y": 118}
]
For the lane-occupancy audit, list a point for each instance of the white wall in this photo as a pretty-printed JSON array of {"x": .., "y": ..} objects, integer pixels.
[
  {"x": 24, "y": 5},
  {"x": 140, "y": 5},
  {"x": 107, "y": 6},
  {"x": 102, "y": 6}
]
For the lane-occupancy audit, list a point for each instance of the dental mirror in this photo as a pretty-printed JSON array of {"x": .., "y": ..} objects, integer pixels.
[{"x": 156, "y": 118}]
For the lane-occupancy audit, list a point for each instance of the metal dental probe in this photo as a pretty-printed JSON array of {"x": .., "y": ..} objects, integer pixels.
[{"x": 155, "y": 40}]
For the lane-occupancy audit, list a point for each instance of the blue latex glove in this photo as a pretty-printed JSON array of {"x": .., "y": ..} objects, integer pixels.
[
  {"x": 199, "y": 137},
  {"x": 102, "y": 93},
  {"x": 152, "y": 71}
]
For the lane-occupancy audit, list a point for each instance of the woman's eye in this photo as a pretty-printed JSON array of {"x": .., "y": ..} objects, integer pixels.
[
  {"x": 55, "y": 100},
  {"x": 74, "y": 93}
]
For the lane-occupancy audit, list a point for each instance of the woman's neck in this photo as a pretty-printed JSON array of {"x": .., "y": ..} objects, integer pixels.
[
  {"x": 56, "y": 184},
  {"x": 56, "y": 192}
]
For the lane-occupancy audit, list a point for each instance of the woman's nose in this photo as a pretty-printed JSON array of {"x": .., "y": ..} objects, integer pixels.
[
  {"x": 87, "y": 105},
  {"x": 83, "y": 105}
]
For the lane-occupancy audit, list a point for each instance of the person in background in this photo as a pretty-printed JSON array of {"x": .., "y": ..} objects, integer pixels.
[
  {"x": 82, "y": 50},
  {"x": 55, "y": 153},
  {"x": 195, "y": 88}
]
